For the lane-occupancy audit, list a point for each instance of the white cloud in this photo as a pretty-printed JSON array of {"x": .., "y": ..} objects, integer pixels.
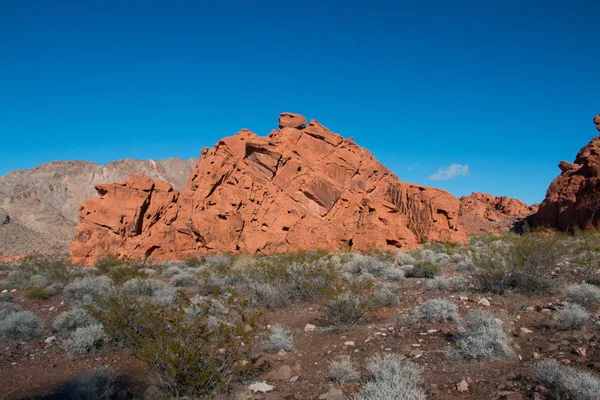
[{"x": 450, "y": 172}]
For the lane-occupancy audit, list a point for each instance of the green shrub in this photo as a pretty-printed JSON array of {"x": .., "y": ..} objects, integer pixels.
[
  {"x": 346, "y": 309},
  {"x": 423, "y": 269},
  {"x": 190, "y": 356},
  {"x": 522, "y": 263},
  {"x": 36, "y": 293},
  {"x": 124, "y": 272}
]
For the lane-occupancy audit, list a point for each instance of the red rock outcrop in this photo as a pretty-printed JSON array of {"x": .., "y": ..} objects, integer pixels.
[
  {"x": 573, "y": 198},
  {"x": 484, "y": 213},
  {"x": 302, "y": 187}
]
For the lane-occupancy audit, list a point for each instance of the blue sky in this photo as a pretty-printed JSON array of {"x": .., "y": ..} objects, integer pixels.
[{"x": 504, "y": 89}]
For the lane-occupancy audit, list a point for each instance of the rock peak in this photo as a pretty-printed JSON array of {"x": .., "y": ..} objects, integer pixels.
[
  {"x": 291, "y": 120},
  {"x": 597, "y": 121}
]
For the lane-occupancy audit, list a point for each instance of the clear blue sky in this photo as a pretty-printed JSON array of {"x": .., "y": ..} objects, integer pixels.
[{"x": 507, "y": 88}]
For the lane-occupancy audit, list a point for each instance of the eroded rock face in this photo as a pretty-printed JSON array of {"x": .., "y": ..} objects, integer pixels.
[
  {"x": 573, "y": 198},
  {"x": 302, "y": 187},
  {"x": 484, "y": 213}
]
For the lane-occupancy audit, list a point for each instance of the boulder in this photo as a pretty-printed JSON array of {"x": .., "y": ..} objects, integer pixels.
[
  {"x": 301, "y": 187},
  {"x": 573, "y": 197}
]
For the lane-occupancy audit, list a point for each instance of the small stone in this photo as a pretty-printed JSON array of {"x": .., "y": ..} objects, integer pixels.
[
  {"x": 536, "y": 356},
  {"x": 333, "y": 394},
  {"x": 484, "y": 302},
  {"x": 432, "y": 331},
  {"x": 416, "y": 354},
  {"x": 262, "y": 387},
  {"x": 462, "y": 386},
  {"x": 284, "y": 373},
  {"x": 309, "y": 328},
  {"x": 5, "y": 291},
  {"x": 294, "y": 378},
  {"x": 52, "y": 309},
  {"x": 463, "y": 298},
  {"x": 50, "y": 340},
  {"x": 13, "y": 291},
  {"x": 281, "y": 353},
  {"x": 349, "y": 343},
  {"x": 524, "y": 332},
  {"x": 581, "y": 351}
]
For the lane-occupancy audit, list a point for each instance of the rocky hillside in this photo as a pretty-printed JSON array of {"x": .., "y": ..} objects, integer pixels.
[
  {"x": 573, "y": 198},
  {"x": 39, "y": 207},
  {"x": 302, "y": 187},
  {"x": 484, "y": 213}
]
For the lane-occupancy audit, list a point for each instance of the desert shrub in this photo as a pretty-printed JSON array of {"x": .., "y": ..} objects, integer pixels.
[
  {"x": 201, "y": 305},
  {"x": 6, "y": 298},
  {"x": 23, "y": 325},
  {"x": 36, "y": 293},
  {"x": 124, "y": 272},
  {"x": 75, "y": 318},
  {"x": 142, "y": 287},
  {"x": 423, "y": 269},
  {"x": 217, "y": 261},
  {"x": 80, "y": 272},
  {"x": 458, "y": 283},
  {"x": 385, "y": 296},
  {"x": 278, "y": 338},
  {"x": 88, "y": 290},
  {"x": 584, "y": 294},
  {"x": 438, "y": 283},
  {"x": 393, "y": 274},
  {"x": 44, "y": 269},
  {"x": 524, "y": 264},
  {"x": 99, "y": 384},
  {"x": 442, "y": 259},
  {"x": 566, "y": 382},
  {"x": 189, "y": 356},
  {"x": 342, "y": 371},
  {"x": 171, "y": 271},
  {"x": 403, "y": 258},
  {"x": 54, "y": 289},
  {"x": 149, "y": 272},
  {"x": 183, "y": 279},
  {"x": 85, "y": 341},
  {"x": 437, "y": 310},
  {"x": 394, "y": 378},
  {"x": 571, "y": 316},
  {"x": 38, "y": 281},
  {"x": 364, "y": 263},
  {"x": 346, "y": 309},
  {"x": 165, "y": 297},
  {"x": 482, "y": 338},
  {"x": 269, "y": 296},
  {"x": 7, "y": 308}
]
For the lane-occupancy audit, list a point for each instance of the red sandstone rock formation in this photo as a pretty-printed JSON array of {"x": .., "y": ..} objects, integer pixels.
[
  {"x": 573, "y": 198},
  {"x": 484, "y": 213},
  {"x": 302, "y": 187}
]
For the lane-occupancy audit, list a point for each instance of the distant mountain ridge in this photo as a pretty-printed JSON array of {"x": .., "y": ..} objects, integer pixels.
[{"x": 42, "y": 203}]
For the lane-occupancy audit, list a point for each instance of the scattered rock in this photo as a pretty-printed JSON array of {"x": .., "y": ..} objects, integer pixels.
[
  {"x": 50, "y": 340},
  {"x": 262, "y": 387},
  {"x": 462, "y": 386},
  {"x": 484, "y": 302},
  {"x": 309, "y": 328}
]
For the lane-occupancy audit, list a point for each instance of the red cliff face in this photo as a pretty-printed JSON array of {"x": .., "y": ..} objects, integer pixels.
[
  {"x": 573, "y": 198},
  {"x": 484, "y": 213},
  {"x": 302, "y": 187}
]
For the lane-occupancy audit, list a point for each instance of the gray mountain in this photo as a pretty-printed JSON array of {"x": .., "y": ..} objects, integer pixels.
[{"x": 39, "y": 206}]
